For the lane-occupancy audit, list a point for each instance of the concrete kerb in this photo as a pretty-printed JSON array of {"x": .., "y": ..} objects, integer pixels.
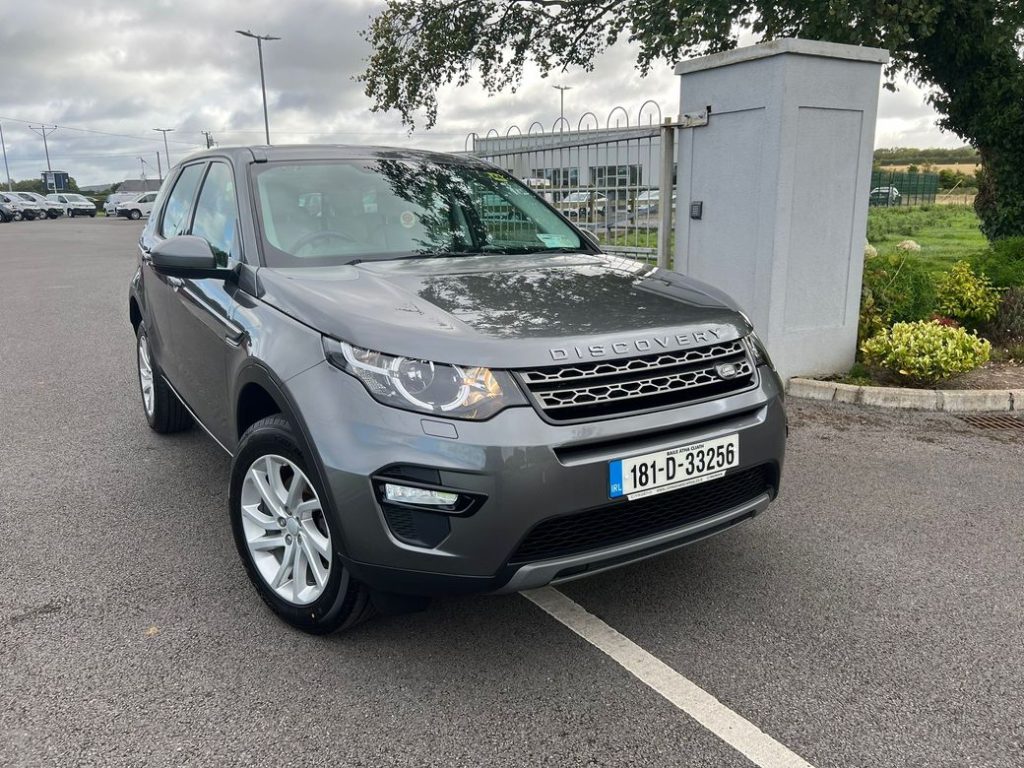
[{"x": 946, "y": 400}]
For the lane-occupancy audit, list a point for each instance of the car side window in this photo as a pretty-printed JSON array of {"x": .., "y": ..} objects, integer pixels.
[
  {"x": 216, "y": 218},
  {"x": 179, "y": 203}
]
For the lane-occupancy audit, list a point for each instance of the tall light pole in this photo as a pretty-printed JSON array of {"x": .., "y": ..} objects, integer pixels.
[
  {"x": 263, "y": 82},
  {"x": 10, "y": 186},
  {"x": 561, "y": 107},
  {"x": 167, "y": 154}
]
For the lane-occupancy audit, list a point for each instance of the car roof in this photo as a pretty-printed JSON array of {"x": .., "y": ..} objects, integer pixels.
[{"x": 262, "y": 153}]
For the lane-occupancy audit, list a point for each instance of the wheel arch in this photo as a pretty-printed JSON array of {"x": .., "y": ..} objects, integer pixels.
[
  {"x": 134, "y": 313},
  {"x": 256, "y": 388}
]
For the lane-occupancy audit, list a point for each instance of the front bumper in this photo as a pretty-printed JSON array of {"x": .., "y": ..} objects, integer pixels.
[{"x": 527, "y": 470}]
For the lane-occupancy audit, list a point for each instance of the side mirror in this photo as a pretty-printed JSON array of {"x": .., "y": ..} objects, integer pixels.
[{"x": 188, "y": 256}]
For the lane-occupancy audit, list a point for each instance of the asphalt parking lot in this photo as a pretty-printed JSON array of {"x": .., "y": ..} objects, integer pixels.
[{"x": 874, "y": 617}]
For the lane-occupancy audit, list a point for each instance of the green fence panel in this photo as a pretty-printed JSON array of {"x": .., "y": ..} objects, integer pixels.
[{"x": 892, "y": 188}]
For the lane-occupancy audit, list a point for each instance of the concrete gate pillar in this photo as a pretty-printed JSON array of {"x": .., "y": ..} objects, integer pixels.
[{"x": 773, "y": 189}]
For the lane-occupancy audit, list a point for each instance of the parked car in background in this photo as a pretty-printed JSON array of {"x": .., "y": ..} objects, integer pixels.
[
  {"x": 15, "y": 204},
  {"x": 646, "y": 203},
  {"x": 884, "y": 196},
  {"x": 30, "y": 209},
  {"x": 581, "y": 204},
  {"x": 6, "y": 213},
  {"x": 51, "y": 208},
  {"x": 115, "y": 199},
  {"x": 420, "y": 402},
  {"x": 137, "y": 208},
  {"x": 73, "y": 204}
]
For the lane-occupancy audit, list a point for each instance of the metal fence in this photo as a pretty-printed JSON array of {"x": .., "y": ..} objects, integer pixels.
[
  {"x": 607, "y": 179},
  {"x": 894, "y": 188}
]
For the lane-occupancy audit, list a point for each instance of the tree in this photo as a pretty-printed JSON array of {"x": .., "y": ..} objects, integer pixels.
[
  {"x": 966, "y": 51},
  {"x": 37, "y": 186}
]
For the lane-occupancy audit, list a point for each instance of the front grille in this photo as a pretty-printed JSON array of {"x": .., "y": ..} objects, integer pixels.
[
  {"x": 626, "y": 521},
  {"x": 596, "y": 390}
]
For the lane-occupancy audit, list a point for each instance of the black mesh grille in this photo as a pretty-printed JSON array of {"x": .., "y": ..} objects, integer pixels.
[
  {"x": 625, "y": 521},
  {"x": 599, "y": 389},
  {"x": 421, "y": 529}
]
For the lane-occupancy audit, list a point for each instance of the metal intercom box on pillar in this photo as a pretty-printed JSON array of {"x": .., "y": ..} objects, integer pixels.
[{"x": 774, "y": 183}]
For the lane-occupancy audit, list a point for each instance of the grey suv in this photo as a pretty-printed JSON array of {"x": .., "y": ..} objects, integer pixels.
[{"x": 430, "y": 382}]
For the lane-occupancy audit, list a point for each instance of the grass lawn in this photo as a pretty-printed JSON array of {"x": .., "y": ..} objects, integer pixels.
[{"x": 946, "y": 233}]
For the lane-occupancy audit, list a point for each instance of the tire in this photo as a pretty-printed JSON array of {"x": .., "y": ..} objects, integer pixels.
[
  {"x": 18, "y": 216},
  {"x": 135, "y": 214},
  {"x": 54, "y": 214},
  {"x": 318, "y": 605},
  {"x": 163, "y": 410},
  {"x": 92, "y": 215}
]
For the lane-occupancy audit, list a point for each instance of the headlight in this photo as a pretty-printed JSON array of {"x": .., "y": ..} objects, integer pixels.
[
  {"x": 758, "y": 351},
  {"x": 454, "y": 391}
]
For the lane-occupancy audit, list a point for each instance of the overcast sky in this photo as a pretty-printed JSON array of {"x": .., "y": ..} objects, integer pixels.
[{"x": 126, "y": 68}]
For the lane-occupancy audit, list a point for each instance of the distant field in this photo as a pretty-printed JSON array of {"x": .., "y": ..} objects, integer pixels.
[
  {"x": 968, "y": 168},
  {"x": 946, "y": 233}
]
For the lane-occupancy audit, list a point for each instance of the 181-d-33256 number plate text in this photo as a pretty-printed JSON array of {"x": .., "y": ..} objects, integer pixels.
[{"x": 663, "y": 471}]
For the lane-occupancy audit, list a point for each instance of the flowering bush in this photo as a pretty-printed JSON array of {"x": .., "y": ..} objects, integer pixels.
[
  {"x": 943, "y": 320},
  {"x": 925, "y": 352},
  {"x": 908, "y": 246},
  {"x": 870, "y": 251},
  {"x": 966, "y": 296}
]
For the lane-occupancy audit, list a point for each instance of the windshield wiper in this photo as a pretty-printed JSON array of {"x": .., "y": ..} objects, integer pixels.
[{"x": 404, "y": 256}]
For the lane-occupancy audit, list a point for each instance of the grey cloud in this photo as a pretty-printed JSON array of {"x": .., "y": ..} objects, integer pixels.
[{"x": 127, "y": 68}]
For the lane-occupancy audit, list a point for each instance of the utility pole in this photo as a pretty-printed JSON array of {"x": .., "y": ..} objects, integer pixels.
[
  {"x": 561, "y": 108},
  {"x": 209, "y": 138},
  {"x": 167, "y": 154},
  {"x": 10, "y": 186},
  {"x": 142, "y": 167},
  {"x": 44, "y": 130},
  {"x": 263, "y": 83},
  {"x": 159, "y": 168}
]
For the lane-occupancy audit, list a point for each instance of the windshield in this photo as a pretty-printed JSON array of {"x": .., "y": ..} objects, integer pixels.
[
  {"x": 77, "y": 199},
  {"x": 326, "y": 213}
]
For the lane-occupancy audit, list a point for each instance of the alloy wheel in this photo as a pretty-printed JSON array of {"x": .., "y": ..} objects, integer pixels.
[{"x": 285, "y": 529}]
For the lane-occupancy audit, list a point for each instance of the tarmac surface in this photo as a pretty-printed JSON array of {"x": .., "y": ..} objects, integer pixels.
[{"x": 873, "y": 617}]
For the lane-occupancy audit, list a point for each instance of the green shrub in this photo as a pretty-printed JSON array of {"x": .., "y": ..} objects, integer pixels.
[
  {"x": 966, "y": 296},
  {"x": 896, "y": 289},
  {"x": 1008, "y": 325},
  {"x": 1002, "y": 261},
  {"x": 925, "y": 352}
]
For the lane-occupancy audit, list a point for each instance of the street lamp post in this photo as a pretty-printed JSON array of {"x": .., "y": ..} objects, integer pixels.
[
  {"x": 561, "y": 106},
  {"x": 10, "y": 186},
  {"x": 167, "y": 153},
  {"x": 263, "y": 82}
]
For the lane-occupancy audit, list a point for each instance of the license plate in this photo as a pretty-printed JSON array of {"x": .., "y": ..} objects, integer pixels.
[{"x": 663, "y": 471}]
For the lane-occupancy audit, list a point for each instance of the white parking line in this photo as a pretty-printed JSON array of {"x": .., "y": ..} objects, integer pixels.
[{"x": 738, "y": 733}]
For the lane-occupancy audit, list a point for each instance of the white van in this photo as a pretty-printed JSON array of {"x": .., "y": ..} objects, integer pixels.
[
  {"x": 73, "y": 204},
  {"x": 137, "y": 208},
  {"x": 114, "y": 200}
]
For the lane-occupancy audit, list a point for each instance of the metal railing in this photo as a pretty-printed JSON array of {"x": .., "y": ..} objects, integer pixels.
[{"x": 607, "y": 180}]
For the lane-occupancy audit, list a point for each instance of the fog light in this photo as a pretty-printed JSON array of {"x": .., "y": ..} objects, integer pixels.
[{"x": 406, "y": 494}]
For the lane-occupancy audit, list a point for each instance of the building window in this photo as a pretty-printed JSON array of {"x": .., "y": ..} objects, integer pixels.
[
  {"x": 559, "y": 177},
  {"x": 616, "y": 175}
]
